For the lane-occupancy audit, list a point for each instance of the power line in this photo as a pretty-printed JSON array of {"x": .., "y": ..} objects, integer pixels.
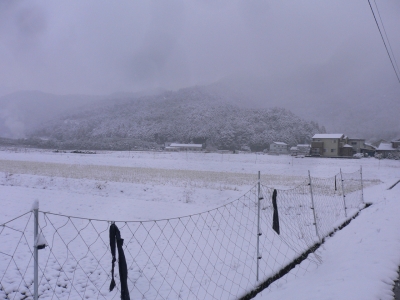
[
  {"x": 383, "y": 39},
  {"x": 387, "y": 38}
]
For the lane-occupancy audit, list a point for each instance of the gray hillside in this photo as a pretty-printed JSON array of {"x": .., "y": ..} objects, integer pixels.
[{"x": 189, "y": 115}]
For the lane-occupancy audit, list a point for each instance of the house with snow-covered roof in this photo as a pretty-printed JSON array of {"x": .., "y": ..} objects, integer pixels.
[
  {"x": 183, "y": 147},
  {"x": 278, "y": 148},
  {"x": 331, "y": 145},
  {"x": 368, "y": 149},
  {"x": 387, "y": 149}
]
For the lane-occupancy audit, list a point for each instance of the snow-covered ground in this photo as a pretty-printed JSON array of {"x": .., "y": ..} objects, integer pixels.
[{"x": 358, "y": 262}]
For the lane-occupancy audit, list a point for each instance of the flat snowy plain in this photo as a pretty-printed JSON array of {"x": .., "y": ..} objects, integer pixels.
[{"x": 358, "y": 262}]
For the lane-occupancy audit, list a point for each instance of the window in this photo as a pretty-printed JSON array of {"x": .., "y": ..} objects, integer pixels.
[
  {"x": 334, "y": 141},
  {"x": 354, "y": 143},
  {"x": 333, "y": 150},
  {"x": 324, "y": 150}
]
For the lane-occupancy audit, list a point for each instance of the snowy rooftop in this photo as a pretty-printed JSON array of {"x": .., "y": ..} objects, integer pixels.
[
  {"x": 186, "y": 145},
  {"x": 370, "y": 145},
  {"x": 347, "y": 146},
  {"x": 293, "y": 148},
  {"x": 280, "y": 143},
  {"x": 386, "y": 146},
  {"x": 328, "y": 136}
]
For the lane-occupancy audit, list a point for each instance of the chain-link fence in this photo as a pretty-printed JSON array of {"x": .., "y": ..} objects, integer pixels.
[{"x": 228, "y": 252}]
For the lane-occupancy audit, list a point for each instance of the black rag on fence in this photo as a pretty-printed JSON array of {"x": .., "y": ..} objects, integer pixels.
[
  {"x": 275, "y": 221},
  {"x": 115, "y": 236}
]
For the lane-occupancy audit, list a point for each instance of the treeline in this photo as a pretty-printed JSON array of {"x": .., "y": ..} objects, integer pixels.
[{"x": 186, "y": 116}]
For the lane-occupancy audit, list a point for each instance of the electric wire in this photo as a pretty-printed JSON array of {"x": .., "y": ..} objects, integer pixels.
[
  {"x": 387, "y": 38},
  {"x": 383, "y": 39}
]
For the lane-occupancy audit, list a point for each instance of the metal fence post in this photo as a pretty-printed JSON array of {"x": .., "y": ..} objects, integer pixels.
[
  {"x": 335, "y": 184},
  {"x": 313, "y": 206},
  {"x": 362, "y": 186},
  {"x": 35, "y": 250},
  {"x": 344, "y": 196},
  {"x": 259, "y": 198}
]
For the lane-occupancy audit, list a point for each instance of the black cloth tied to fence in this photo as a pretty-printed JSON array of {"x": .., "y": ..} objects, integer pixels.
[
  {"x": 115, "y": 236},
  {"x": 275, "y": 221}
]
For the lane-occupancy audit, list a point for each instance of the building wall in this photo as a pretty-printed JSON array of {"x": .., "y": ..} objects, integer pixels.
[
  {"x": 347, "y": 151},
  {"x": 330, "y": 147},
  {"x": 357, "y": 144},
  {"x": 317, "y": 147},
  {"x": 278, "y": 148},
  {"x": 396, "y": 144}
]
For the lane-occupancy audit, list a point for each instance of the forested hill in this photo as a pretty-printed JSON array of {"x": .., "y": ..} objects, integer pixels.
[{"x": 188, "y": 115}]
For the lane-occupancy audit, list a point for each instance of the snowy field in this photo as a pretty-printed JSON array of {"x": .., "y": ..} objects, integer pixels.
[{"x": 359, "y": 262}]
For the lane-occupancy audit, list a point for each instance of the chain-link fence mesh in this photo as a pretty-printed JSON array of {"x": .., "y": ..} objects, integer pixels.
[
  {"x": 352, "y": 187},
  {"x": 297, "y": 231},
  {"x": 16, "y": 258},
  {"x": 210, "y": 255},
  {"x": 328, "y": 202}
]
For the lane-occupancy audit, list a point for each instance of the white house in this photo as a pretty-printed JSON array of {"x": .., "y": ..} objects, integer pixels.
[
  {"x": 331, "y": 145},
  {"x": 183, "y": 147},
  {"x": 387, "y": 149},
  {"x": 278, "y": 148}
]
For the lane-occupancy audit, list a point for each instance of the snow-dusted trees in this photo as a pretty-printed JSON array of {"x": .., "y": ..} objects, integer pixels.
[{"x": 185, "y": 116}]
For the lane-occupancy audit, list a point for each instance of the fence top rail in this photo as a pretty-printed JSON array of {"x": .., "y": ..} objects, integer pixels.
[
  {"x": 354, "y": 172},
  {"x": 305, "y": 182},
  {"x": 5, "y": 223},
  {"x": 156, "y": 220},
  {"x": 337, "y": 174},
  {"x": 330, "y": 177},
  {"x": 180, "y": 217}
]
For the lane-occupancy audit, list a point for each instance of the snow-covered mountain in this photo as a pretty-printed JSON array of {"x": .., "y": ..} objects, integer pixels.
[{"x": 188, "y": 115}]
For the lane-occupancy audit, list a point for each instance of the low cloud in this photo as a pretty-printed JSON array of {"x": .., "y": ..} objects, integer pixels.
[{"x": 97, "y": 47}]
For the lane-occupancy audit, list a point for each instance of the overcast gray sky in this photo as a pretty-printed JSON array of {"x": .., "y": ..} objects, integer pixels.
[{"x": 101, "y": 47}]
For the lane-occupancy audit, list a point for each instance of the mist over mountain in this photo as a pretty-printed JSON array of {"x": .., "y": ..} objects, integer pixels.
[
  {"x": 188, "y": 115},
  {"x": 363, "y": 106},
  {"x": 22, "y": 111},
  {"x": 25, "y": 111},
  {"x": 350, "y": 107}
]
